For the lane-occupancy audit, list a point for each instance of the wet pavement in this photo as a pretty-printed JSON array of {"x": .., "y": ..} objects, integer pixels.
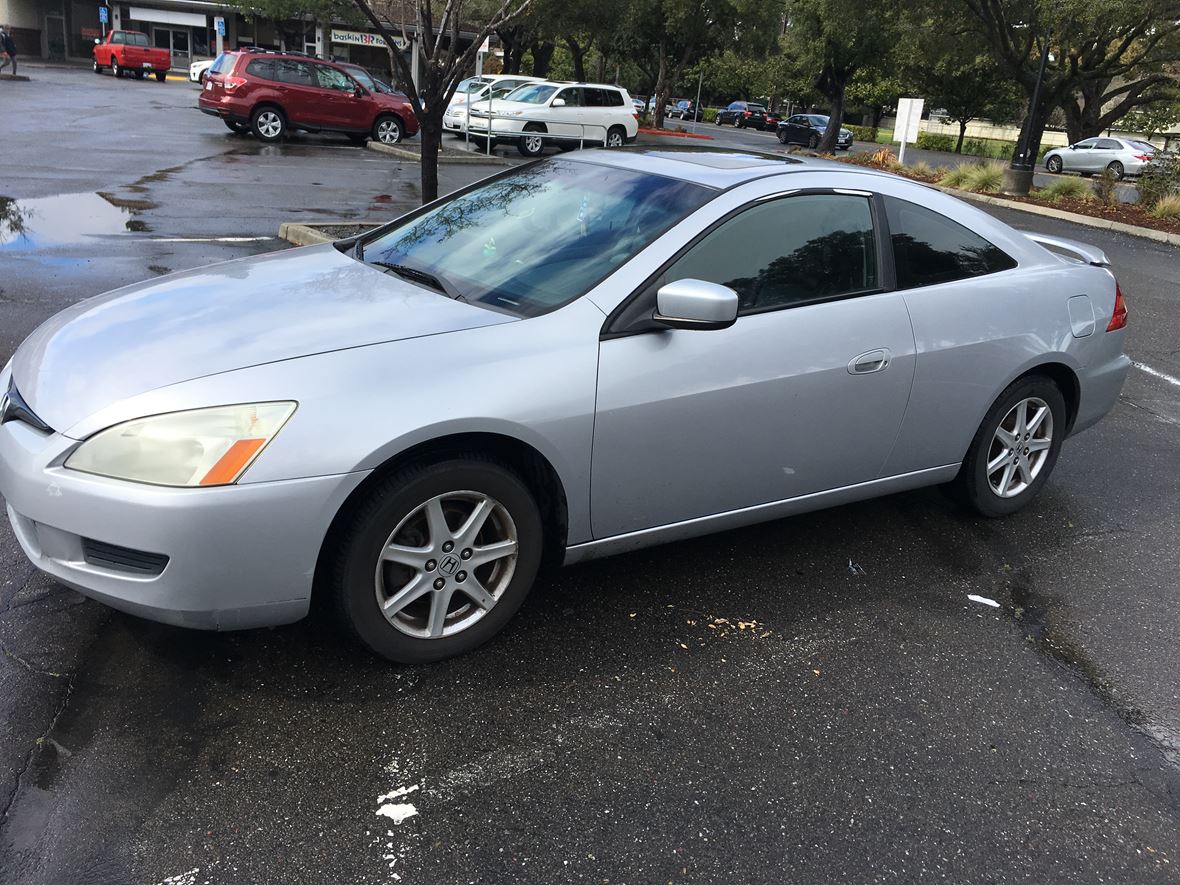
[{"x": 810, "y": 699}]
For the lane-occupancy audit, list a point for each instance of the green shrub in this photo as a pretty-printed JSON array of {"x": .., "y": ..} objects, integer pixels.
[
  {"x": 930, "y": 141},
  {"x": 954, "y": 177},
  {"x": 984, "y": 177},
  {"x": 1167, "y": 206},
  {"x": 1067, "y": 188},
  {"x": 1158, "y": 180},
  {"x": 709, "y": 115},
  {"x": 863, "y": 133}
]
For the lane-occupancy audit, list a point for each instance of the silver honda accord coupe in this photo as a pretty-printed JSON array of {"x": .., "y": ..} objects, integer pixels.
[{"x": 578, "y": 357}]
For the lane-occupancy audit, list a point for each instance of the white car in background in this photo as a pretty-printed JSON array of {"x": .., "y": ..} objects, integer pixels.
[
  {"x": 567, "y": 115},
  {"x": 476, "y": 89},
  {"x": 198, "y": 69}
]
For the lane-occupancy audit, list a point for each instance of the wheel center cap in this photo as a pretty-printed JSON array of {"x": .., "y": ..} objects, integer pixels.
[{"x": 449, "y": 564}]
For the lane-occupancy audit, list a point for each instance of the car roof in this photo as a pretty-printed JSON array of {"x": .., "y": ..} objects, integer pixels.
[{"x": 718, "y": 168}]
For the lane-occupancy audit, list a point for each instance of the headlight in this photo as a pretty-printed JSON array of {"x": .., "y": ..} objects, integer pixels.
[{"x": 204, "y": 447}]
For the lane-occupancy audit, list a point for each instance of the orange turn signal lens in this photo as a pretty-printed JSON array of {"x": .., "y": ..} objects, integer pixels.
[{"x": 230, "y": 465}]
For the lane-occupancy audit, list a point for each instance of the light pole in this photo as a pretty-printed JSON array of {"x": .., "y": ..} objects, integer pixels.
[{"x": 1019, "y": 176}]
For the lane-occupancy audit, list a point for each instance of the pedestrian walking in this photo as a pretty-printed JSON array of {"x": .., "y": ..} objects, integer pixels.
[{"x": 7, "y": 50}]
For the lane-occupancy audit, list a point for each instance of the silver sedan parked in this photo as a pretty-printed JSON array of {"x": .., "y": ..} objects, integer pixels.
[
  {"x": 1122, "y": 156},
  {"x": 578, "y": 357}
]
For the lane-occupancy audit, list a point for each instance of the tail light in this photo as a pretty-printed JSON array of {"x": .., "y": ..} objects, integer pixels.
[
  {"x": 745, "y": 113},
  {"x": 1118, "y": 319},
  {"x": 1144, "y": 157},
  {"x": 635, "y": 114},
  {"x": 232, "y": 83}
]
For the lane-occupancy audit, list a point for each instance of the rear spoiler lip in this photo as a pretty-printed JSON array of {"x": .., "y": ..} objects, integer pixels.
[{"x": 1088, "y": 254}]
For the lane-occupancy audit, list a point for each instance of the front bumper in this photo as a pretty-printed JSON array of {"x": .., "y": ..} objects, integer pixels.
[{"x": 237, "y": 556}]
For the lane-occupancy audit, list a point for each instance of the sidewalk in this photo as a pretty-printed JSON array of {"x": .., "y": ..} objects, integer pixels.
[{"x": 25, "y": 64}]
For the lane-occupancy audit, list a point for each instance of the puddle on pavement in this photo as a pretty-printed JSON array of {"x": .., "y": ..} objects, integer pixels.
[{"x": 64, "y": 220}]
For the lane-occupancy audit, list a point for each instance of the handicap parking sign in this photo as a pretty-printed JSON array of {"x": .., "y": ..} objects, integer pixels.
[
  {"x": 219, "y": 24},
  {"x": 103, "y": 15}
]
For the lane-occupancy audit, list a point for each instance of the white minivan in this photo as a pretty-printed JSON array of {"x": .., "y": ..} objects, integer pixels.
[
  {"x": 566, "y": 115},
  {"x": 476, "y": 89}
]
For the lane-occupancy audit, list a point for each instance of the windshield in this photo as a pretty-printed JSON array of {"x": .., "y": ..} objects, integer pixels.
[
  {"x": 537, "y": 94},
  {"x": 539, "y": 237},
  {"x": 471, "y": 84}
]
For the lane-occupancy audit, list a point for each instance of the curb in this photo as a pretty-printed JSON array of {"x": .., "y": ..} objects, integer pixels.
[
  {"x": 443, "y": 157},
  {"x": 14, "y": 78},
  {"x": 664, "y": 132},
  {"x": 300, "y": 233},
  {"x": 1145, "y": 233}
]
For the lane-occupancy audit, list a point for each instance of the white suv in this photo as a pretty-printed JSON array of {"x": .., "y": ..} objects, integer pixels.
[
  {"x": 474, "y": 90},
  {"x": 565, "y": 114}
]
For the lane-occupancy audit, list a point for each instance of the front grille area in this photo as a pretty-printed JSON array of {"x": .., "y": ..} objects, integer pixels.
[{"x": 122, "y": 559}]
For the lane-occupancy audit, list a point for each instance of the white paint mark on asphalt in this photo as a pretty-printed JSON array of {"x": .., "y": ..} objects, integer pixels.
[
  {"x": 398, "y": 812},
  {"x": 189, "y": 878},
  {"x": 1156, "y": 373},
  {"x": 983, "y": 599},
  {"x": 211, "y": 239},
  {"x": 397, "y": 794}
]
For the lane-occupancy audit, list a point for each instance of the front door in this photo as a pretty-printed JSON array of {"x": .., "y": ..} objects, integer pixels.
[
  {"x": 55, "y": 36},
  {"x": 567, "y": 119},
  {"x": 176, "y": 41},
  {"x": 1079, "y": 158},
  {"x": 804, "y": 393}
]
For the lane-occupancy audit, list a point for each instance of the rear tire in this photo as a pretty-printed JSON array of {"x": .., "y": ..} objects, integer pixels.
[
  {"x": 1116, "y": 170},
  {"x": 1020, "y": 448},
  {"x": 616, "y": 137},
  {"x": 422, "y": 510},
  {"x": 358, "y": 139},
  {"x": 268, "y": 124},
  {"x": 161, "y": 76}
]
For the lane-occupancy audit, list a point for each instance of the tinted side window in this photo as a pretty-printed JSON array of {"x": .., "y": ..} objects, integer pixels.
[
  {"x": 613, "y": 98},
  {"x": 929, "y": 248},
  {"x": 330, "y": 78},
  {"x": 788, "y": 252},
  {"x": 297, "y": 73},
  {"x": 1109, "y": 144},
  {"x": 260, "y": 67},
  {"x": 594, "y": 98},
  {"x": 573, "y": 97}
]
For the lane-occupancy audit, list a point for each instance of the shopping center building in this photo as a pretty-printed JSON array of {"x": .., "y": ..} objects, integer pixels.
[{"x": 66, "y": 30}]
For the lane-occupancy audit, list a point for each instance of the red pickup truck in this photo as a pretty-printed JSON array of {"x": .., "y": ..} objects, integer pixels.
[{"x": 129, "y": 52}]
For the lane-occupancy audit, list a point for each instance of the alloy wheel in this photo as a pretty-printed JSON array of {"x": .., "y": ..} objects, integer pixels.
[
  {"x": 614, "y": 139},
  {"x": 389, "y": 132},
  {"x": 446, "y": 565},
  {"x": 534, "y": 144},
  {"x": 269, "y": 124},
  {"x": 1020, "y": 447}
]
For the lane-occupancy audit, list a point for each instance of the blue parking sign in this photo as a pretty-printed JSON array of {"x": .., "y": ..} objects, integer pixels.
[
  {"x": 219, "y": 24},
  {"x": 103, "y": 15}
]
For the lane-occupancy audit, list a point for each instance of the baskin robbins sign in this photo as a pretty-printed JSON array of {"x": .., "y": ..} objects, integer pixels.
[{"x": 360, "y": 38}]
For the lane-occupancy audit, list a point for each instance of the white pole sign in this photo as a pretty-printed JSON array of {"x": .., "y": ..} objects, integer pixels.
[{"x": 909, "y": 115}]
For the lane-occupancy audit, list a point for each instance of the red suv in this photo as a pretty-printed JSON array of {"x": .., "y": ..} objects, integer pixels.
[{"x": 270, "y": 92}]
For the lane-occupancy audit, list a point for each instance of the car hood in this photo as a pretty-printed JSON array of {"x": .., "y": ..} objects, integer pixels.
[{"x": 221, "y": 318}]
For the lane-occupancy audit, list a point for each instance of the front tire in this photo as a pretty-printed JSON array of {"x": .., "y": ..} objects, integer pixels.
[
  {"x": 268, "y": 124},
  {"x": 1015, "y": 448},
  {"x": 531, "y": 144},
  {"x": 783, "y": 137},
  {"x": 1053, "y": 164},
  {"x": 403, "y": 575},
  {"x": 97, "y": 67},
  {"x": 388, "y": 129},
  {"x": 813, "y": 142}
]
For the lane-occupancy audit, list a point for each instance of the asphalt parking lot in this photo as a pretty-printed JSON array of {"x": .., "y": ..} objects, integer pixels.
[{"x": 808, "y": 700}]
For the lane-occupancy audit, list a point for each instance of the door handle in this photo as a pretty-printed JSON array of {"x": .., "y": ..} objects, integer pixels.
[{"x": 869, "y": 361}]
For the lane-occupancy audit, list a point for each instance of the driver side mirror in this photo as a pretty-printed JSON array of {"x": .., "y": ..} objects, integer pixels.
[
  {"x": 696, "y": 304},
  {"x": 558, "y": 103},
  {"x": 1073, "y": 147},
  {"x": 358, "y": 93}
]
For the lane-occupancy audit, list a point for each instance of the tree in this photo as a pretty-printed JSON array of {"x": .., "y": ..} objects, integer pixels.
[
  {"x": 290, "y": 17},
  {"x": 444, "y": 63},
  {"x": 1101, "y": 50},
  {"x": 1154, "y": 119},
  {"x": 1099, "y": 104},
  {"x": 838, "y": 39}
]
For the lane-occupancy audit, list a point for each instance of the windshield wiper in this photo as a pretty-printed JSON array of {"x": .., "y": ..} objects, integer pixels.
[{"x": 421, "y": 276}]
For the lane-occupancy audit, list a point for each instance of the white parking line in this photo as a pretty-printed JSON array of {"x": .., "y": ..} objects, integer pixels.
[
  {"x": 210, "y": 239},
  {"x": 1156, "y": 373}
]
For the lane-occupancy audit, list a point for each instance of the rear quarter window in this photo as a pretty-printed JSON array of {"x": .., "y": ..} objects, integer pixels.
[{"x": 929, "y": 248}]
